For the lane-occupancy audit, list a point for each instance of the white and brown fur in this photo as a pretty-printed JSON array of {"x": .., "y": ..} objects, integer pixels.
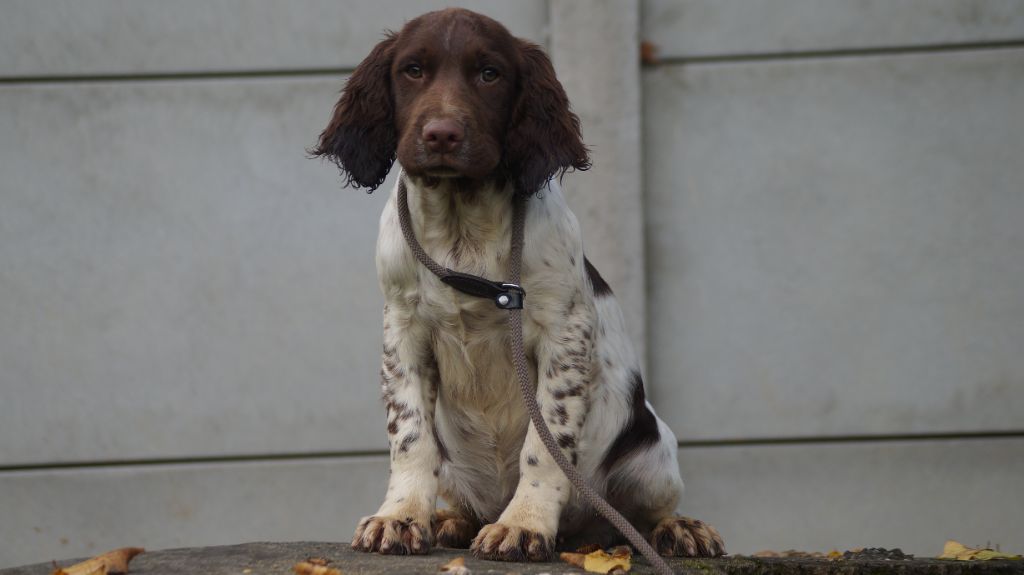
[{"x": 468, "y": 141}]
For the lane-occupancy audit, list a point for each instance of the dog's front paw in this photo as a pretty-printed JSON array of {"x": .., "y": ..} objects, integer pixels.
[
  {"x": 500, "y": 542},
  {"x": 391, "y": 536},
  {"x": 685, "y": 537}
]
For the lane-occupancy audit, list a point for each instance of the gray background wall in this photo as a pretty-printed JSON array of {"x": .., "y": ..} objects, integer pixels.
[{"x": 811, "y": 209}]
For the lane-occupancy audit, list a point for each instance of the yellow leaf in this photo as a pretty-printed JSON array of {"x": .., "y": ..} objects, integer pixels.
[
  {"x": 954, "y": 550},
  {"x": 307, "y": 568},
  {"x": 575, "y": 559},
  {"x": 111, "y": 562},
  {"x": 601, "y": 562},
  {"x": 456, "y": 566},
  {"x": 988, "y": 555}
]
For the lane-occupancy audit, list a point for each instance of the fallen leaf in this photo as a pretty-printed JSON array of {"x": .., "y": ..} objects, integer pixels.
[
  {"x": 95, "y": 570},
  {"x": 588, "y": 548},
  {"x": 307, "y": 568},
  {"x": 110, "y": 563},
  {"x": 575, "y": 559},
  {"x": 456, "y": 566},
  {"x": 601, "y": 561},
  {"x": 989, "y": 554},
  {"x": 956, "y": 551}
]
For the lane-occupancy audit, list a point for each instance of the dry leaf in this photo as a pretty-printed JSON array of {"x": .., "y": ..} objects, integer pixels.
[
  {"x": 307, "y": 568},
  {"x": 456, "y": 566},
  {"x": 588, "y": 548},
  {"x": 109, "y": 563},
  {"x": 600, "y": 561},
  {"x": 575, "y": 559},
  {"x": 94, "y": 569},
  {"x": 959, "y": 552}
]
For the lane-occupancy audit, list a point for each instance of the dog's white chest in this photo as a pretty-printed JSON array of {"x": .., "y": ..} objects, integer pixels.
[{"x": 480, "y": 418}]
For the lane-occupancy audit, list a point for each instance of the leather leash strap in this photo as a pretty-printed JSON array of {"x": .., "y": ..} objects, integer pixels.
[{"x": 519, "y": 362}]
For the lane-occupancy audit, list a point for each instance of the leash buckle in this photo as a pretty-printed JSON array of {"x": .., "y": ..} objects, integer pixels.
[{"x": 511, "y": 298}]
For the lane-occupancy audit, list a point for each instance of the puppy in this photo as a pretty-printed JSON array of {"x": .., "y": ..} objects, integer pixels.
[{"x": 474, "y": 117}]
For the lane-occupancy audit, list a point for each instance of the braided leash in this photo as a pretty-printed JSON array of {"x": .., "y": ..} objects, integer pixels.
[{"x": 515, "y": 321}]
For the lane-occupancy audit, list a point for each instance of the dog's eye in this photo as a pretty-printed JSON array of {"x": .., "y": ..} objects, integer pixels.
[
  {"x": 414, "y": 71},
  {"x": 489, "y": 74}
]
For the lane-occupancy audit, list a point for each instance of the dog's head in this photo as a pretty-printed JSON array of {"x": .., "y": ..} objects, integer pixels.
[{"x": 454, "y": 95}]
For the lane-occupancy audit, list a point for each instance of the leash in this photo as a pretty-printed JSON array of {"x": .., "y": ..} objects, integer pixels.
[{"x": 510, "y": 296}]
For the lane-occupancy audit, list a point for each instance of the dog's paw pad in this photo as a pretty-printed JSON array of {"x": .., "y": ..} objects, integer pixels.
[
  {"x": 685, "y": 537},
  {"x": 391, "y": 536},
  {"x": 499, "y": 542},
  {"x": 453, "y": 530}
]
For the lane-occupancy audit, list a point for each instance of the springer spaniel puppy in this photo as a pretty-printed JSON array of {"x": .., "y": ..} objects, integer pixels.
[{"x": 476, "y": 116}]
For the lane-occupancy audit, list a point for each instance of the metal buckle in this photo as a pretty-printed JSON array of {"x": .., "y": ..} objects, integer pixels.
[{"x": 511, "y": 298}]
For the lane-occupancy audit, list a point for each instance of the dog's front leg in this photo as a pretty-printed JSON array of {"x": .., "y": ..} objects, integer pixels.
[
  {"x": 408, "y": 377},
  {"x": 529, "y": 524}
]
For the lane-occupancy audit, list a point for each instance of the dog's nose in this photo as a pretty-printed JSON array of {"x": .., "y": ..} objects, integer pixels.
[{"x": 443, "y": 135}]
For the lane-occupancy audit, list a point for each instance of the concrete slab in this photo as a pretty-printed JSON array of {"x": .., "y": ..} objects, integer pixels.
[{"x": 257, "y": 558}]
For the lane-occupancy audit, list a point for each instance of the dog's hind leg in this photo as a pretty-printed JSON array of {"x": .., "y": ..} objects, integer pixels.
[{"x": 646, "y": 487}]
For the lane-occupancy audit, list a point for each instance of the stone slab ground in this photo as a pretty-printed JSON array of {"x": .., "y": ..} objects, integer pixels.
[{"x": 278, "y": 558}]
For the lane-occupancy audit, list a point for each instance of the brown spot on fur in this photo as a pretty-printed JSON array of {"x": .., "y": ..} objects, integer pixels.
[
  {"x": 562, "y": 413},
  {"x": 441, "y": 448},
  {"x": 566, "y": 440},
  {"x": 641, "y": 431},
  {"x": 601, "y": 287},
  {"x": 407, "y": 441},
  {"x": 575, "y": 390}
]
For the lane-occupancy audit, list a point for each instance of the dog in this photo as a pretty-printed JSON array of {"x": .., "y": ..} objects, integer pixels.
[{"x": 474, "y": 117}]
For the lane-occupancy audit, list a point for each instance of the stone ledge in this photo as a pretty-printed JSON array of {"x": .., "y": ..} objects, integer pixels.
[{"x": 278, "y": 558}]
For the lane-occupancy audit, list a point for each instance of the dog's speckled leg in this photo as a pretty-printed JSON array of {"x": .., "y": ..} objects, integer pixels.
[{"x": 402, "y": 524}]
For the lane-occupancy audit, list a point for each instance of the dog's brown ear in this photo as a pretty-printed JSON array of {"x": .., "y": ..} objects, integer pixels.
[
  {"x": 543, "y": 135},
  {"x": 361, "y": 137}
]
